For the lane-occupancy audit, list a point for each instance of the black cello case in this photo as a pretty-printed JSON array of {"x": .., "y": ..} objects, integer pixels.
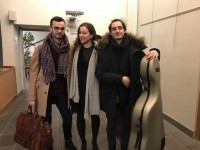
[{"x": 147, "y": 127}]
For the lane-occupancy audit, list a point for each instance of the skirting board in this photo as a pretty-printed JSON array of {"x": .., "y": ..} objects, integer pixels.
[{"x": 179, "y": 126}]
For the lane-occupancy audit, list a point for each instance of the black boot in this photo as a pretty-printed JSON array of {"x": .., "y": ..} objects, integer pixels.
[
  {"x": 94, "y": 145},
  {"x": 84, "y": 145},
  {"x": 51, "y": 148},
  {"x": 69, "y": 145},
  {"x": 112, "y": 148},
  {"x": 124, "y": 147}
]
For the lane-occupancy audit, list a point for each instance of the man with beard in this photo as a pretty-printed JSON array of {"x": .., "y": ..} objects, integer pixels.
[{"x": 48, "y": 82}]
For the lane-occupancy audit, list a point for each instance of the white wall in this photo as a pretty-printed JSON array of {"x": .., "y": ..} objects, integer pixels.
[
  {"x": 178, "y": 39},
  {"x": 39, "y": 12},
  {"x": 96, "y": 12}
]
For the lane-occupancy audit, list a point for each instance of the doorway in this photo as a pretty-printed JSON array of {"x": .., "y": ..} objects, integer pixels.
[{"x": 39, "y": 33}]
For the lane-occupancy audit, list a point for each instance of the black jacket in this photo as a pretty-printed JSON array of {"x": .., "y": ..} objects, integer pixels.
[{"x": 110, "y": 74}]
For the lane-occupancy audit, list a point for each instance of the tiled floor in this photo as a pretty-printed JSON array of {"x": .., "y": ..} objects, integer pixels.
[{"x": 175, "y": 139}]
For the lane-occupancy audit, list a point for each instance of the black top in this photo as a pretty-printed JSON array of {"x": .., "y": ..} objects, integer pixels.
[
  {"x": 83, "y": 61},
  {"x": 60, "y": 83}
]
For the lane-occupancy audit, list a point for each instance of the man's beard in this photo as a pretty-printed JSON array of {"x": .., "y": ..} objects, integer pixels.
[{"x": 58, "y": 37}]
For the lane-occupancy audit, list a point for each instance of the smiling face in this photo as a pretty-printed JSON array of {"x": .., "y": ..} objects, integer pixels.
[
  {"x": 84, "y": 35},
  {"x": 117, "y": 31}
]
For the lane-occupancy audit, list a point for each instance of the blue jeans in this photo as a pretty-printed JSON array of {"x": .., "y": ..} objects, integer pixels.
[{"x": 60, "y": 99}]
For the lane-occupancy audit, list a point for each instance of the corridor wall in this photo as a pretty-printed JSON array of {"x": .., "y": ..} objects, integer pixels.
[{"x": 173, "y": 26}]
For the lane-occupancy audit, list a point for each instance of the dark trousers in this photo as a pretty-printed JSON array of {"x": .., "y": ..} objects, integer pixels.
[
  {"x": 125, "y": 128},
  {"x": 60, "y": 99},
  {"x": 81, "y": 127}
]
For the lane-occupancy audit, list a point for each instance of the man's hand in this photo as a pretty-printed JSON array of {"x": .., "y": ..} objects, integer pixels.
[
  {"x": 153, "y": 54},
  {"x": 32, "y": 103},
  {"x": 126, "y": 81}
]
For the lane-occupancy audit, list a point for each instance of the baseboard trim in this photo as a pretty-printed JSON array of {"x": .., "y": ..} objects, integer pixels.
[
  {"x": 20, "y": 93},
  {"x": 179, "y": 126}
]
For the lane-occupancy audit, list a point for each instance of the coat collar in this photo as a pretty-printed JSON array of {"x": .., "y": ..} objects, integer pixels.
[{"x": 137, "y": 41}]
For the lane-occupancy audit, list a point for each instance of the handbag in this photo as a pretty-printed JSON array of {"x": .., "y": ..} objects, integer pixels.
[{"x": 32, "y": 131}]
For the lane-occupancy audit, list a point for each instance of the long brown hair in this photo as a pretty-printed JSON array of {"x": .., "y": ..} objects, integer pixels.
[{"x": 90, "y": 28}]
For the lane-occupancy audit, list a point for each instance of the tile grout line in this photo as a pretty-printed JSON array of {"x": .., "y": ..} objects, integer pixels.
[{"x": 10, "y": 120}]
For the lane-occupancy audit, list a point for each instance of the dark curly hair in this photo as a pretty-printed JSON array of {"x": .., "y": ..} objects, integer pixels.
[
  {"x": 57, "y": 19},
  {"x": 115, "y": 20}
]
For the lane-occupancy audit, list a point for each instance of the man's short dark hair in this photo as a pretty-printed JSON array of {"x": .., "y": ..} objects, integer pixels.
[
  {"x": 115, "y": 20},
  {"x": 57, "y": 19}
]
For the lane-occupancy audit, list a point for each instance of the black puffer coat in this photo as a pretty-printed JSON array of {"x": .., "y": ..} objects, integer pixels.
[{"x": 114, "y": 62}]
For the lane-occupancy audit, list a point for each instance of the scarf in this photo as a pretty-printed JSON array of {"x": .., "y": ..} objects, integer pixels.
[
  {"x": 74, "y": 90},
  {"x": 92, "y": 102},
  {"x": 121, "y": 54},
  {"x": 122, "y": 46},
  {"x": 47, "y": 61}
]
